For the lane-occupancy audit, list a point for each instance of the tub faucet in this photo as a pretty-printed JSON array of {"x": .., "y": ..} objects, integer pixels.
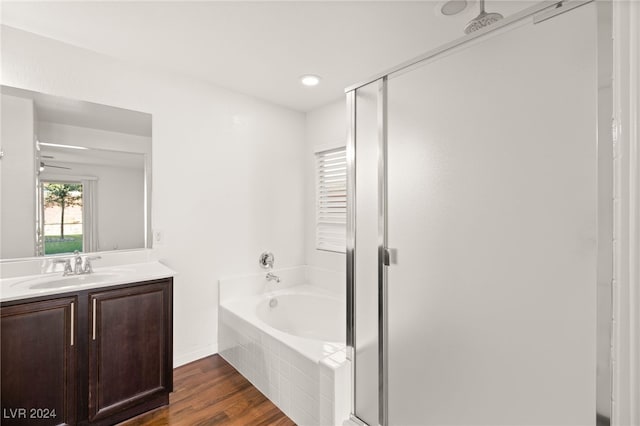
[{"x": 273, "y": 277}]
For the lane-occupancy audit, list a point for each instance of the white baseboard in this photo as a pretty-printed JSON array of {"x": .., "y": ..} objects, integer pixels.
[{"x": 182, "y": 359}]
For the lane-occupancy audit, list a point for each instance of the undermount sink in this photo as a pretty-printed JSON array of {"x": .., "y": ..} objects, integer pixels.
[{"x": 74, "y": 280}]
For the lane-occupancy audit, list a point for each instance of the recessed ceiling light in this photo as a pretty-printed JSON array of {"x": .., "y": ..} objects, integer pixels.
[
  {"x": 453, "y": 7},
  {"x": 310, "y": 80}
]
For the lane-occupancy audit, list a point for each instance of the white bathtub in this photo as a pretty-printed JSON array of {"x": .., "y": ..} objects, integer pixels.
[
  {"x": 288, "y": 340},
  {"x": 303, "y": 311}
]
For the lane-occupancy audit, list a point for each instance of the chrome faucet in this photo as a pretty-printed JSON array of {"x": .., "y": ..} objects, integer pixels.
[
  {"x": 77, "y": 263},
  {"x": 88, "y": 268},
  {"x": 67, "y": 266},
  {"x": 272, "y": 277},
  {"x": 80, "y": 265}
]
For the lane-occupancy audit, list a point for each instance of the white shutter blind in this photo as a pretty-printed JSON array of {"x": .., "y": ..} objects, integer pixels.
[{"x": 331, "y": 200}]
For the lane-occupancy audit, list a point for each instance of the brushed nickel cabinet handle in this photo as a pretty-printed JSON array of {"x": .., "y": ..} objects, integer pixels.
[
  {"x": 73, "y": 306},
  {"x": 94, "y": 319}
]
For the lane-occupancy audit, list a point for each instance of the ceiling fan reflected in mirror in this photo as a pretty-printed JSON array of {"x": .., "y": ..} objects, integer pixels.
[{"x": 43, "y": 165}]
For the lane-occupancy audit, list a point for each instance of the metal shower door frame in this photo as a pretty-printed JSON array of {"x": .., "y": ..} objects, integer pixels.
[{"x": 605, "y": 113}]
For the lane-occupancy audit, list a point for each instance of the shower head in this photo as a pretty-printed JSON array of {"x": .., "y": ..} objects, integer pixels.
[{"x": 482, "y": 20}]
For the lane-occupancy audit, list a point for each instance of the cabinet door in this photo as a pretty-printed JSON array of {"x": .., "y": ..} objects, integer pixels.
[
  {"x": 39, "y": 363},
  {"x": 129, "y": 349}
]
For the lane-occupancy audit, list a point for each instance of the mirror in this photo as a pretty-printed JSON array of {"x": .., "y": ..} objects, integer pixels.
[{"x": 74, "y": 175}]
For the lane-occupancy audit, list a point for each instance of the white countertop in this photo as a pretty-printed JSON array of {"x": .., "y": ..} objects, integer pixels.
[{"x": 28, "y": 286}]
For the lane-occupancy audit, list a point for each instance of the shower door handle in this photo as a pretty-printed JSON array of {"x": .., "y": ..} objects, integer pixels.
[{"x": 389, "y": 256}]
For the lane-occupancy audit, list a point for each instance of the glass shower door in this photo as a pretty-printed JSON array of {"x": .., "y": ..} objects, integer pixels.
[{"x": 492, "y": 210}]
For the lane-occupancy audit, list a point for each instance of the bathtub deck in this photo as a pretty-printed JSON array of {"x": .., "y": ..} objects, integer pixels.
[{"x": 211, "y": 392}]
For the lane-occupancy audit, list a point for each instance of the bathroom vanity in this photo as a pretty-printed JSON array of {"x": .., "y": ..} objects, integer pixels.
[{"x": 96, "y": 353}]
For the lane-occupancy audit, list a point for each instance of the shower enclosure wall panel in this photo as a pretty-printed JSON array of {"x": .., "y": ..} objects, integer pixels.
[{"x": 492, "y": 207}]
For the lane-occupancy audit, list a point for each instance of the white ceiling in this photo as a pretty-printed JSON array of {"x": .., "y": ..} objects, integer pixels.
[{"x": 258, "y": 48}]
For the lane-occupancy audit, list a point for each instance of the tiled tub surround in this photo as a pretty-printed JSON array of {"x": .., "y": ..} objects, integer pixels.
[{"x": 306, "y": 377}]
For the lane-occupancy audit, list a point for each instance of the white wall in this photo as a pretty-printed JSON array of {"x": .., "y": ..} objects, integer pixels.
[
  {"x": 227, "y": 170},
  {"x": 120, "y": 205},
  {"x": 17, "y": 178},
  {"x": 326, "y": 127}
]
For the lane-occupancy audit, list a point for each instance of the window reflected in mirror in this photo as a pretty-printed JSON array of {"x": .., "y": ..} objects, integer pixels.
[{"x": 62, "y": 217}]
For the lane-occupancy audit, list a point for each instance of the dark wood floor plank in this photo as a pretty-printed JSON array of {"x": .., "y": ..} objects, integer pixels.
[{"x": 211, "y": 392}]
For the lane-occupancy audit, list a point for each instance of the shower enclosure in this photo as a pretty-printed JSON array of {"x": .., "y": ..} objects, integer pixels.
[{"x": 480, "y": 238}]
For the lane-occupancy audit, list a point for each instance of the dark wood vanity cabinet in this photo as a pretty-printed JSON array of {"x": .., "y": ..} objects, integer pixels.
[
  {"x": 96, "y": 357},
  {"x": 38, "y": 361}
]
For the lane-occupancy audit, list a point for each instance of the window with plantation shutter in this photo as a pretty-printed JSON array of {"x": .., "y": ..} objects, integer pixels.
[{"x": 331, "y": 200}]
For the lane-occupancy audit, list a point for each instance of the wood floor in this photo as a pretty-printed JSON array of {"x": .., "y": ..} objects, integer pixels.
[{"x": 211, "y": 392}]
